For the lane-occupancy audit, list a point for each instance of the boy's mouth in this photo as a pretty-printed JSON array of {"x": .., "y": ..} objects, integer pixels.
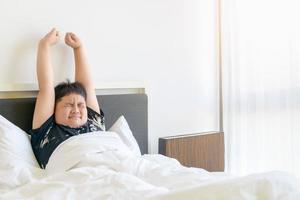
[{"x": 75, "y": 117}]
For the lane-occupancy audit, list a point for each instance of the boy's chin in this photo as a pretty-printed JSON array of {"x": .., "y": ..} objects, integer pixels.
[{"x": 76, "y": 124}]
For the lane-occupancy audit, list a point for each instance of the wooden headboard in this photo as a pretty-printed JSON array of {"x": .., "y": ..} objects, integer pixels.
[{"x": 134, "y": 107}]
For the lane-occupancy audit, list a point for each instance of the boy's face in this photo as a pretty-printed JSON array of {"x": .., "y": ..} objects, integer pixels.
[{"x": 71, "y": 111}]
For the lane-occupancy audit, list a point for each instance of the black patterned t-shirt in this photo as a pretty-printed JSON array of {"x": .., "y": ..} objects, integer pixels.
[{"x": 45, "y": 139}]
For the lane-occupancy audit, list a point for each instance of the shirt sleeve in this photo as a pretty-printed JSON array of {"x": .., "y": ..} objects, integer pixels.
[
  {"x": 37, "y": 135},
  {"x": 43, "y": 128},
  {"x": 96, "y": 119}
]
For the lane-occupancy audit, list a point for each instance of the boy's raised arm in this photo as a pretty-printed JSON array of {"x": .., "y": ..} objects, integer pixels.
[
  {"x": 82, "y": 72},
  {"x": 45, "y": 102}
]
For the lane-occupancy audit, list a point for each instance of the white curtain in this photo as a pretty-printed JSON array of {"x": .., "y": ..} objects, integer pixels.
[{"x": 261, "y": 85}]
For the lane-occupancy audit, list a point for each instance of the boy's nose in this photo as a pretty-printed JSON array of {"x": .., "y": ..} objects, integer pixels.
[{"x": 75, "y": 109}]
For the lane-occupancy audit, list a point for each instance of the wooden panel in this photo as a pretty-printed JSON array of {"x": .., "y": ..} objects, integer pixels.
[{"x": 203, "y": 150}]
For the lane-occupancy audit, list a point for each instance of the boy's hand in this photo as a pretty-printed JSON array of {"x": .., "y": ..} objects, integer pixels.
[
  {"x": 72, "y": 40},
  {"x": 50, "y": 38}
]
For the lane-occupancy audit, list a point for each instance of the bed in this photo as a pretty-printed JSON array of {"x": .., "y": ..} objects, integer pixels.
[
  {"x": 132, "y": 106},
  {"x": 115, "y": 164}
]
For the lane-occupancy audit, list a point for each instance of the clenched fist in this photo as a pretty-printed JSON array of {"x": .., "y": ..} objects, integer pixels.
[
  {"x": 72, "y": 40},
  {"x": 50, "y": 38}
]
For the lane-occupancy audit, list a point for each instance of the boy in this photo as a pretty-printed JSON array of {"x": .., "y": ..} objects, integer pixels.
[{"x": 68, "y": 109}]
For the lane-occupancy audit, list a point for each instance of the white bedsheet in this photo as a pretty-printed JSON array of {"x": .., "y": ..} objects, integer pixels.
[{"x": 100, "y": 166}]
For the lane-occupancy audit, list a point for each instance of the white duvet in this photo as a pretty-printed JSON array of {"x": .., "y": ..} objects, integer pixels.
[{"x": 100, "y": 166}]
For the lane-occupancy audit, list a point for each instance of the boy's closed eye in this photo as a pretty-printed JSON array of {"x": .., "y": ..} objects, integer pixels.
[{"x": 69, "y": 105}]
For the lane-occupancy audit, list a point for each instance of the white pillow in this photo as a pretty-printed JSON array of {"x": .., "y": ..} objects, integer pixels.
[
  {"x": 15, "y": 147},
  {"x": 122, "y": 128}
]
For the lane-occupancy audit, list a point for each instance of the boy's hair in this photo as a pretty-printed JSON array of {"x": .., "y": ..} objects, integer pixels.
[{"x": 66, "y": 88}]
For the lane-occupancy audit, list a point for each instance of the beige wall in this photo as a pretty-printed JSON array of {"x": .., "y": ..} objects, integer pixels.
[{"x": 167, "y": 44}]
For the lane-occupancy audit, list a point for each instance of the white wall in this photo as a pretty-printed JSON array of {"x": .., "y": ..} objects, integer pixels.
[{"x": 168, "y": 44}]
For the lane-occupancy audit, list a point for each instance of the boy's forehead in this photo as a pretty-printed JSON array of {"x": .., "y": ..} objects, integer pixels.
[{"x": 73, "y": 97}]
